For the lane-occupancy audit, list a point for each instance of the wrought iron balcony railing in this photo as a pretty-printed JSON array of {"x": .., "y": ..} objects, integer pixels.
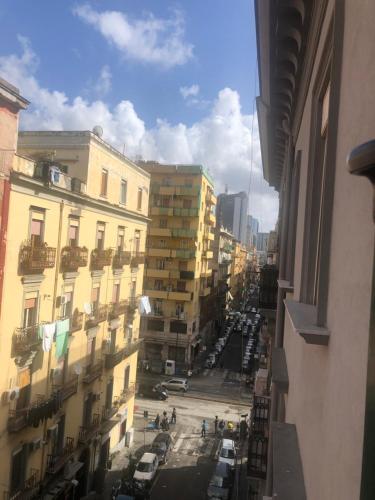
[
  {"x": 108, "y": 413},
  {"x": 120, "y": 259},
  {"x": 93, "y": 372},
  {"x": 26, "y": 339},
  {"x": 67, "y": 389},
  {"x": 117, "y": 308},
  {"x": 87, "y": 432},
  {"x": 34, "y": 259},
  {"x": 137, "y": 258},
  {"x": 101, "y": 258},
  {"x": 74, "y": 257},
  {"x": 57, "y": 460},
  {"x": 113, "y": 359},
  {"x": 126, "y": 394},
  {"x": 29, "y": 489},
  {"x": 98, "y": 315}
]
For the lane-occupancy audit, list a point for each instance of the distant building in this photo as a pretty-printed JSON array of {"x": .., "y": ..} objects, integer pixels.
[
  {"x": 262, "y": 242},
  {"x": 232, "y": 214},
  {"x": 252, "y": 229}
]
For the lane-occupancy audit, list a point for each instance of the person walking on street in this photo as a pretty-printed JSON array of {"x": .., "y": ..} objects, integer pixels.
[
  {"x": 157, "y": 421},
  {"x": 174, "y": 416},
  {"x": 203, "y": 430},
  {"x": 216, "y": 423},
  {"x": 221, "y": 427}
]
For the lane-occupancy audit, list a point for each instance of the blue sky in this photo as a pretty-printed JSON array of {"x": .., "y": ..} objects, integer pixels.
[{"x": 172, "y": 81}]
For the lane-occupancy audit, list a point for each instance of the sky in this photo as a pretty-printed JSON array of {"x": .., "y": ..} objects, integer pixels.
[{"x": 168, "y": 81}]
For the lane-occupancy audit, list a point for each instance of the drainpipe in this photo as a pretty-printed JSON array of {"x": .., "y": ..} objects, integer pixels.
[{"x": 53, "y": 314}]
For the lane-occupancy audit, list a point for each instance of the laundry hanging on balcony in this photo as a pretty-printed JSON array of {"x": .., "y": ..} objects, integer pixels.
[
  {"x": 62, "y": 333},
  {"x": 144, "y": 305},
  {"x": 46, "y": 334}
]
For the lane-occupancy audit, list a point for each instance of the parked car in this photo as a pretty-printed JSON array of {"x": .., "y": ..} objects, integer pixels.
[
  {"x": 227, "y": 452},
  {"x": 176, "y": 384},
  {"x": 146, "y": 469},
  {"x": 221, "y": 482},
  {"x": 153, "y": 392},
  {"x": 162, "y": 446}
]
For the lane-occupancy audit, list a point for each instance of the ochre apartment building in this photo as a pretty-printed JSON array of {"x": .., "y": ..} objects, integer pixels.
[
  {"x": 179, "y": 259},
  {"x": 78, "y": 215}
]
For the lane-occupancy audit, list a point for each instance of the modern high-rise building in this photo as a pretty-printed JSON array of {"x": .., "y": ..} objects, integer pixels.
[
  {"x": 179, "y": 261},
  {"x": 232, "y": 214},
  {"x": 73, "y": 276},
  {"x": 252, "y": 231},
  {"x": 262, "y": 242}
]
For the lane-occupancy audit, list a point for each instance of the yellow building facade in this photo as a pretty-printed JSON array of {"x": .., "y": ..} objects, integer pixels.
[
  {"x": 70, "y": 324},
  {"x": 179, "y": 260},
  {"x": 239, "y": 263}
]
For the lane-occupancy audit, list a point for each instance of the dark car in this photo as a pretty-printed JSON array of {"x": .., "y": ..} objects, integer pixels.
[
  {"x": 162, "y": 446},
  {"x": 221, "y": 482},
  {"x": 153, "y": 392}
]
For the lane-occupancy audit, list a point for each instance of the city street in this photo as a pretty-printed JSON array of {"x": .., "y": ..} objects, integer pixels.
[{"x": 192, "y": 461}]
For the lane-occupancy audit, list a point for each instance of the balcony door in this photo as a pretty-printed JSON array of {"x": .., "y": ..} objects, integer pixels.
[
  {"x": 112, "y": 346},
  {"x": 87, "y": 410},
  {"x": 30, "y": 312},
  {"x": 109, "y": 394},
  {"x": 137, "y": 241},
  {"x": 126, "y": 377},
  {"x": 37, "y": 228},
  {"x": 100, "y": 232}
]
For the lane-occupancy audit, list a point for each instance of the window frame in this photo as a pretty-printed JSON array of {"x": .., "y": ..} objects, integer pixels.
[
  {"x": 122, "y": 183},
  {"x": 139, "y": 198},
  {"x": 104, "y": 185}
]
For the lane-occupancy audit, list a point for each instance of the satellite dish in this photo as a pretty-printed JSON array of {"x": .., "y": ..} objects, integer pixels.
[
  {"x": 97, "y": 130},
  {"x": 77, "y": 369}
]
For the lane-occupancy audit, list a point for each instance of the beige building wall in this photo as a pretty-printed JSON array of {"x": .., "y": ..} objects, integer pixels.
[{"x": 115, "y": 357}]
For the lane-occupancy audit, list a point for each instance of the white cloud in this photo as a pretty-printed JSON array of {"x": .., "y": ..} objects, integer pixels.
[
  {"x": 186, "y": 92},
  {"x": 221, "y": 141},
  {"x": 149, "y": 40},
  {"x": 104, "y": 82}
]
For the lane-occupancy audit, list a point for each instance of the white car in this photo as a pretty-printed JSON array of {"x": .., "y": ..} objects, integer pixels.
[
  {"x": 175, "y": 384},
  {"x": 146, "y": 468},
  {"x": 227, "y": 452}
]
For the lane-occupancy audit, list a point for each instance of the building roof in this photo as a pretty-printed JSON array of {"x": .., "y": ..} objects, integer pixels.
[
  {"x": 178, "y": 168},
  {"x": 11, "y": 94}
]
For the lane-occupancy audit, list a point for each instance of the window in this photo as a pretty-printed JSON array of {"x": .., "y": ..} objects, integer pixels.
[
  {"x": 163, "y": 223},
  {"x": 188, "y": 182},
  {"x": 123, "y": 191},
  {"x": 186, "y": 203},
  {"x": 158, "y": 284},
  {"x": 166, "y": 201},
  {"x": 109, "y": 394},
  {"x": 160, "y": 264},
  {"x": 158, "y": 307},
  {"x": 100, "y": 232},
  {"x": 184, "y": 244},
  {"x": 18, "y": 469},
  {"x": 120, "y": 239},
  {"x": 186, "y": 223},
  {"x": 137, "y": 240},
  {"x": 180, "y": 309},
  {"x": 139, "y": 199},
  {"x": 116, "y": 293},
  {"x": 95, "y": 294},
  {"x": 104, "y": 182},
  {"x": 181, "y": 286},
  {"x": 37, "y": 228},
  {"x": 91, "y": 351},
  {"x": 122, "y": 430},
  {"x": 200, "y": 226},
  {"x": 166, "y": 181},
  {"x": 30, "y": 310},
  {"x": 127, "y": 377},
  {"x": 67, "y": 304},
  {"x": 73, "y": 232},
  {"x": 162, "y": 244},
  {"x": 133, "y": 287}
]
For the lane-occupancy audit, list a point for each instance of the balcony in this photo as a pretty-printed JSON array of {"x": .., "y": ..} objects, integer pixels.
[
  {"x": 185, "y": 254},
  {"x": 126, "y": 394},
  {"x": 46, "y": 170},
  {"x": 67, "y": 389},
  {"x": 17, "y": 420},
  {"x": 34, "y": 259},
  {"x": 157, "y": 273},
  {"x": 210, "y": 218},
  {"x": 26, "y": 339},
  {"x": 113, "y": 359},
  {"x": 181, "y": 232},
  {"x": 101, "y": 258},
  {"x": 156, "y": 294},
  {"x": 209, "y": 235},
  {"x": 76, "y": 321},
  {"x": 117, "y": 308},
  {"x": 29, "y": 489},
  {"x": 167, "y": 294},
  {"x": 98, "y": 315},
  {"x": 132, "y": 306},
  {"x": 179, "y": 295},
  {"x": 183, "y": 190},
  {"x": 208, "y": 254},
  {"x": 187, "y": 275},
  {"x": 56, "y": 461},
  {"x": 159, "y": 252},
  {"x": 159, "y": 231},
  {"x": 162, "y": 211},
  {"x": 108, "y": 413},
  {"x": 28, "y": 416},
  {"x": 74, "y": 257},
  {"x": 137, "y": 258},
  {"x": 87, "y": 432},
  {"x": 185, "y": 212},
  {"x": 120, "y": 259},
  {"x": 211, "y": 198},
  {"x": 93, "y": 372}
]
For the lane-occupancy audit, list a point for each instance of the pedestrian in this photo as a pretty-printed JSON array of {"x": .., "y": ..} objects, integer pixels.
[
  {"x": 221, "y": 427},
  {"x": 216, "y": 423},
  {"x": 174, "y": 416},
  {"x": 203, "y": 430},
  {"x": 157, "y": 421}
]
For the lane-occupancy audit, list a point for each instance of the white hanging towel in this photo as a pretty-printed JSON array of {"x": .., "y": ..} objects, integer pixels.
[
  {"x": 48, "y": 332},
  {"x": 144, "y": 305}
]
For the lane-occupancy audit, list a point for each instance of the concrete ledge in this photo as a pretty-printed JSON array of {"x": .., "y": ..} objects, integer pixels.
[
  {"x": 29, "y": 279},
  {"x": 303, "y": 318},
  {"x": 280, "y": 369},
  {"x": 288, "y": 481},
  {"x": 285, "y": 285}
]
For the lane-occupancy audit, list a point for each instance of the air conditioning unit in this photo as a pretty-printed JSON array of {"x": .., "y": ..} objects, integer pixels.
[
  {"x": 35, "y": 444},
  {"x": 11, "y": 395},
  {"x": 52, "y": 432}
]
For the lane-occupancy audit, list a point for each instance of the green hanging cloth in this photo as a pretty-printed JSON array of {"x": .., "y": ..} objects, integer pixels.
[{"x": 62, "y": 334}]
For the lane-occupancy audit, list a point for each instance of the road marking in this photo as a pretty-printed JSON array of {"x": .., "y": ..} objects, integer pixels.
[{"x": 179, "y": 441}]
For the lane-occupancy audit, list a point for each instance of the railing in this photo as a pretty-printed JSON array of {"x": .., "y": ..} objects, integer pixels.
[
  {"x": 29, "y": 490},
  {"x": 86, "y": 432},
  {"x": 137, "y": 258},
  {"x": 187, "y": 275},
  {"x": 29, "y": 416},
  {"x": 25, "y": 339},
  {"x": 120, "y": 259},
  {"x": 67, "y": 389},
  {"x": 126, "y": 394},
  {"x": 34, "y": 259},
  {"x": 258, "y": 439},
  {"x": 56, "y": 461},
  {"x": 117, "y": 308},
  {"x": 108, "y": 413},
  {"x": 113, "y": 359},
  {"x": 180, "y": 232},
  {"x": 76, "y": 321},
  {"x": 132, "y": 305},
  {"x": 17, "y": 420},
  {"x": 101, "y": 258},
  {"x": 185, "y": 254},
  {"x": 74, "y": 257},
  {"x": 186, "y": 212},
  {"x": 93, "y": 372},
  {"x": 98, "y": 315},
  {"x": 46, "y": 170}
]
